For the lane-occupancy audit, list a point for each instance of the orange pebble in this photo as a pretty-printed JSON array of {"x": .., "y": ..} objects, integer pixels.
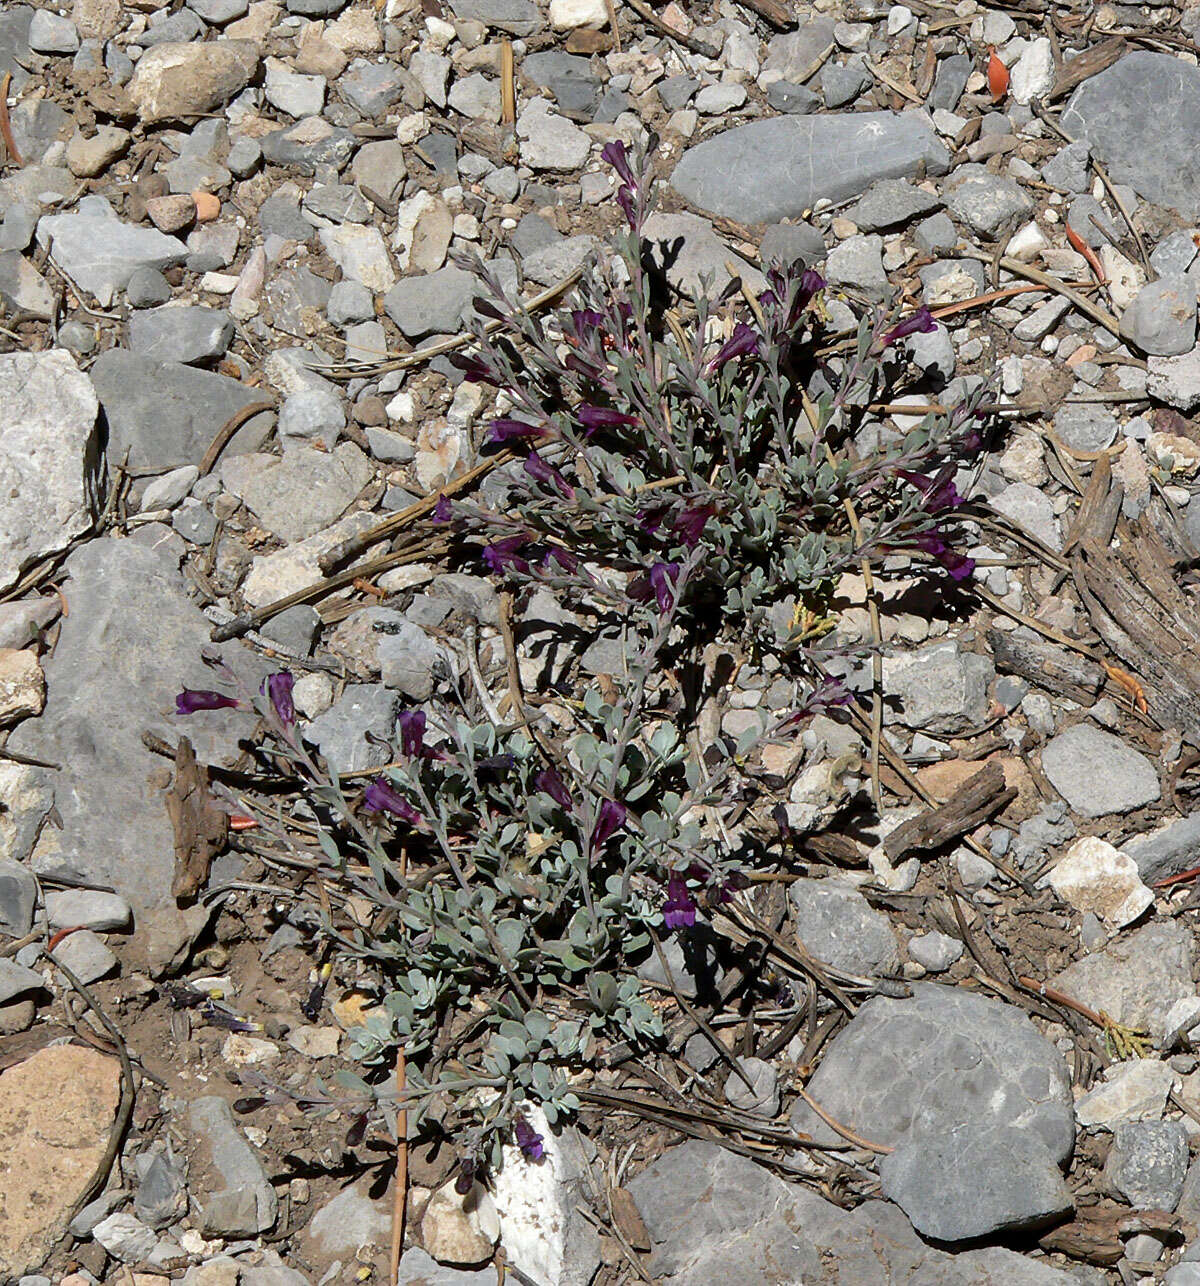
[
  {"x": 997, "y": 77},
  {"x": 207, "y": 206}
]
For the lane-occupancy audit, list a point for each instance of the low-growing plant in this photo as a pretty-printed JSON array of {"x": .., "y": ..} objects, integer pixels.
[
  {"x": 691, "y": 465},
  {"x": 666, "y": 439}
]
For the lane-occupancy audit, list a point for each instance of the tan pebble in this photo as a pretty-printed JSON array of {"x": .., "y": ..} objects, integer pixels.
[{"x": 207, "y": 206}]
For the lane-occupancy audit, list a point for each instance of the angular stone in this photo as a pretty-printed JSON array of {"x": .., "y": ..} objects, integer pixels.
[
  {"x": 983, "y": 200},
  {"x": 1137, "y": 977},
  {"x": 304, "y": 491},
  {"x": 180, "y": 80},
  {"x": 1135, "y": 1090},
  {"x": 889, "y": 203},
  {"x": 18, "y": 896},
  {"x": 100, "y": 254},
  {"x": 1138, "y": 117},
  {"x": 517, "y": 17},
  {"x": 1094, "y": 876},
  {"x": 1148, "y": 1162},
  {"x": 180, "y": 334},
  {"x": 132, "y": 641},
  {"x": 52, "y": 1145},
  {"x": 166, "y": 414},
  {"x": 1097, "y": 773},
  {"x": 226, "y": 1178},
  {"x": 693, "y": 256},
  {"x": 917, "y": 1068},
  {"x": 271, "y": 576},
  {"x": 713, "y": 1217},
  {"x": 1175, "y": 380},
  {"x": 435, "y": 303},
  {"x": 940, "y": 688},
  {"x": 309, "y": 143},
  {"x": 974, "y": 1182},
  {"x": 835, "y": 923},
  {"x": 22, "y": 287},
  {"x": 1168, "y": 850},
  {"x": 776, "y": 169},
  {"x": 341, "y": 732},
  {"x": 48, "y": 457}
]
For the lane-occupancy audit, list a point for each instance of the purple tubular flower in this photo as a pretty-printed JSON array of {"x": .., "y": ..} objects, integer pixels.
[
  {"x": 939, "y": 492},
  {"x": 603, "y": 417},
  {"x": 614, "y": 154},
  {"x": 958, "y": 565},
  {"x": 690, "y": 522},
  {"x": 550, "y": 783},
  {"x": 543, "y": 471},
  {"x": 530, "y": 1142},
  {"x": 609, "y": 820},
  {"x": 625, "y": 201},
  {"x": 662, "y": 581},
  {"x": 466, "y": 1177},
  {"x": 506, "y": 430},
  {"x": 503, "y": 554},
  {"x": 412, "y": 732},
  {"x": 742, "y": 343},
  {"x": 474, "y": 369},
  {"x": 921, "y": 320},
  {"x": 279, "y": 689},
  {"x": 192, "y": 699},
  {"x": 584, "y": 321},
  {"x": 812, "y": 283},
  {"x": 565, "y": 559},
  {"x": 443, "y": 511},
  {"x": 679, "y": 910},
  {"x": 381, "y": 797}
]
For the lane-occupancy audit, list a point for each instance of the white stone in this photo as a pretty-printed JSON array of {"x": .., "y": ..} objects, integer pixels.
[
  {"x": 1132, "y": 1091},
  {"x": 1125, "y": 278},
  {"x": 293, "y": 93},
  {"x": 361, "y": 254},
  {"x": 458, "y": 1229},
  {"x": 899, "y": 19},
  {"x": 241, "y": 1050},
  {"x": 1094, "y": 876},
  {"x": 271, "y": 576},
  {"x": 535, "y": 1202},
  {"x": 47, "y": 441},
  {"x": 125, "y": 1237},
  {"x": 567, "y": 15},
  {"x": 550, "y": 141},
  {"x": 1027, "y": 243},
  {"x": 1177, "y": 1025},
  {"x": 1032, "y": 75}
]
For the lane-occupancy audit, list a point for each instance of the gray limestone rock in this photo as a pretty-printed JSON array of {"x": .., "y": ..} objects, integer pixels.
[
  {"x": 949, "y": 82},
  {"x": 1085, "y": 426},
  {"x": 180, "y": 334},
  {"x": 233, "y": 1194},
  {"x": 793, "y": 54},
  {"x": 517, "y": 17},
  {"x": 836, "y": 924},
  {"x": 693, "y": 254},
  {"x": 788, "y": 243},
  {"x": 1097, "y": 773},
  {"x": 49, "y": 457},
  {"x": 309, "y": 143},
  {"x": 919, "y": 1068},
  {"x": 984, "y": 201},
  {"x": 164, "y": 413},
  {"x": 1148, "y": 1162},
  {"x": 1137, "y": 977},
  {"x": 1168, "y": 850},
  {"x": 18, "y": 897},
  {"x": 1161, "y": 319},
  {"x": 890, "y": 203},
  {"x": 1138, "y": 117},
  {"x": 761, "y": 1096},
  {"x": 940, "y": 688},
  {"x": 1030, "y": 509},
  {"x": 841, "y": 83},
  {"x": 301, "y": 493},
  {"x": 133, "y": 640},
  {"x": 717, "y": 1217},
  {"x": 975, "y": 1181},
  {"x": 435, "y": 303},
  {"x": 341, "y": 732},
  {"x": 857, "y": 262},
  {"x": 1175, "y": 380},
  {"x": 99, "y": 253},
  {"x": 775, "y": 169}
]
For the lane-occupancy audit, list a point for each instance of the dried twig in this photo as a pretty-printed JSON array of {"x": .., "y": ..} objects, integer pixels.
[
  {"x": 228, "y": 429},
  {"x": 6, "y": 132}
]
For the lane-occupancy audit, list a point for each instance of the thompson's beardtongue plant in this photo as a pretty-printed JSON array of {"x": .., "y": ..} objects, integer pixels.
[{"x": 678, "y": 479}]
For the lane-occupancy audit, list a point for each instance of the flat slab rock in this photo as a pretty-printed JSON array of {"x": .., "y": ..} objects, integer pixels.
[
  {"x": 52, "y": 1145},
  {"x": 1137, "y": 977},
  {"x": 49, "y": 452},
  {"x": 774, "y": 169},
  {"x": 132, "y": 640},
  {"x": 1139, "y": 117},
  {"x": 922, "y": 1067},
  {"x": 717, "y": 1217}
]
